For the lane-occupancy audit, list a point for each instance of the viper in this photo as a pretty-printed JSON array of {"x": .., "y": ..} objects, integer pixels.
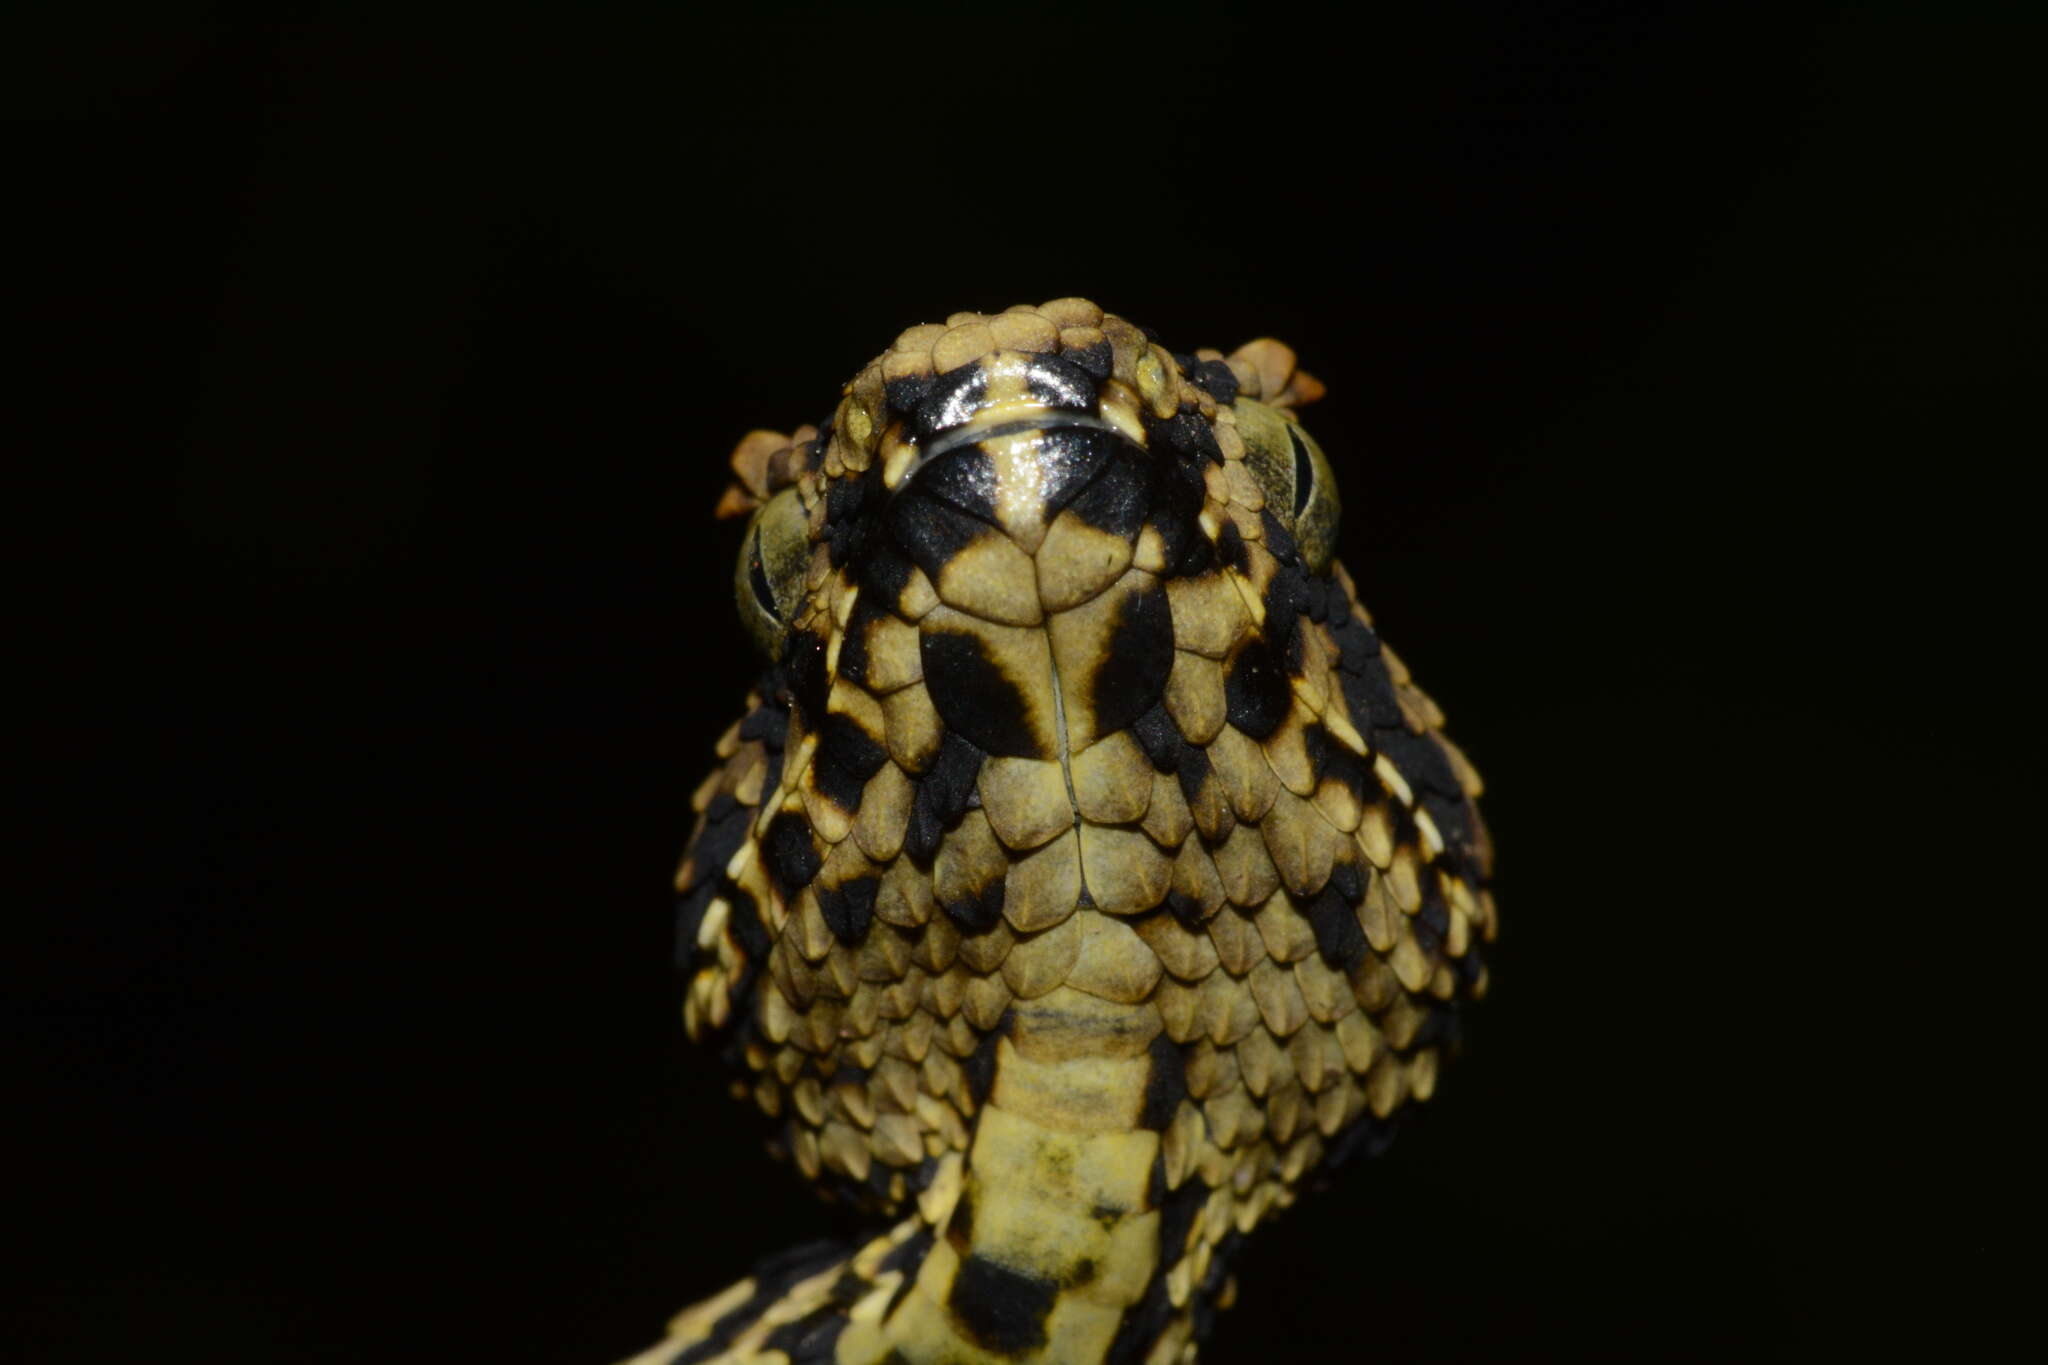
[{"x": 1084, "y": 871}]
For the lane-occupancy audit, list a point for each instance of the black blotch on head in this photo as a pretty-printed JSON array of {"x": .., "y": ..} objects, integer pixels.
[
  {"x": 1256, "y": 692},
  {"x": 1118, "y": 497},
  {"x": 849, "y": 908},
  {"x": 791, "y": 858},
  {"x": 931, "y": 532},
  {"x": 883, "y": 575},
  {"x": 1403, "y": 822},
  {"x": 767, "y": 723},
  {"x": 942, "y": 793},
  {"x": 1420, "y": 759},
  {"x": 849, "y": 506},
  {"x": 951, "y": 398},
  {"x": 1346, "y": 881},
  {"x": 803, "y": 674},
  {"x": 853, "y": 644},
  {"x": 1192, "y": 770},
  {"x": 1058, "y": 382},
  {"x": 847, "y": 756},
  {"x": 723, "y": 830},
  {"x": 1469, "y": 968},
  {"x": 1369, "y": 694},
  {"x": 1357, "y": 643},
  {"x": 1158, "y": 737},
  {"x": 1178, "y": 493},
  {"x": 1000, "y": 1309},
  {"x": 975, "y": 697},
  {"x": 1339, "y": 938},
  {"x": 1294, "y": 652},
  {"x": 1458, "y": 823},
  {"x": 1317, "y": 592},
  {"x": 1279, "y": 540},
  {"x": 690, "y": 908},
  {"x": 1095, "y": 360},
  {"x": 1132, "y": 675},
  {"x": 1215, "y": 376},
  {"x": 1184, "y": 434},
  {"x": 1230, "y": 547},
  {"x": 1186, "y": 910},
  {"x": 1166, "y": 1084},
  {"x": 1432, "y": 922},
  {"x": 903, "y": 396},
  {"x": 771, "y": 771},
  {"x": 963, "y": 479},
  {"x": 1329, "y": 759},
  {"x": 1286, "y": 599},
  {"x": 742, "y": 921}
]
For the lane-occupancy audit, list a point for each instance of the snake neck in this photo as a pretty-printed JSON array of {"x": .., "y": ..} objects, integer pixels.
[
  {"x": 1053, "y": 1239},
  {"x": 1049, "y": 1243}
]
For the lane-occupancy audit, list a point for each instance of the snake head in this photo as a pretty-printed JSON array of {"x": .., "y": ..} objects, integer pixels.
[{"x": 1067, "y": 699}]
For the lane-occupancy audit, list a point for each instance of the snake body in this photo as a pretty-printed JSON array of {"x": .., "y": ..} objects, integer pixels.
[{"x": 1084, "y": 871}]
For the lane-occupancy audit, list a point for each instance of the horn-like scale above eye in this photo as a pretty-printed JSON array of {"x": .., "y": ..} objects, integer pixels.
[
  {"x": 1295, "y": 476},
  {"x": 768, "y": 583}
]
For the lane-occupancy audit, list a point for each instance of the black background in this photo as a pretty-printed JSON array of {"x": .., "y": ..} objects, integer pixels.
[{"x": 385, "y": 632}]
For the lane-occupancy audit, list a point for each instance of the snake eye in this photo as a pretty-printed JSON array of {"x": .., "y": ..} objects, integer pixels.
[
  {"x": 1295, "y": 476},
  {"x": 768, "y": 583}
]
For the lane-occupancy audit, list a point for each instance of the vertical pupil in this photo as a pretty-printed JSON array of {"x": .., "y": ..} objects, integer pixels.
[
  {"x": 1304, "y": 471},
  {"x": 757, "y": 576}
]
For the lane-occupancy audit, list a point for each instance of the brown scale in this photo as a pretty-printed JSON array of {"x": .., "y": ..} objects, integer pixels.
[{"x": 1294, "y": 899}]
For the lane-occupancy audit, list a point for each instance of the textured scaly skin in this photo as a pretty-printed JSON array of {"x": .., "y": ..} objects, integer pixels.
[{"x": 1084, "y": 873}]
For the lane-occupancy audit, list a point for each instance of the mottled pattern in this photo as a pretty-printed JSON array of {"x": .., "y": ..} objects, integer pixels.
[{"x": 1085, "y": 871}]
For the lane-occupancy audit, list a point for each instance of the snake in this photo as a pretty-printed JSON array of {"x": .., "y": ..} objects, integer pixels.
[{"x": 1083, "y": 873}]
